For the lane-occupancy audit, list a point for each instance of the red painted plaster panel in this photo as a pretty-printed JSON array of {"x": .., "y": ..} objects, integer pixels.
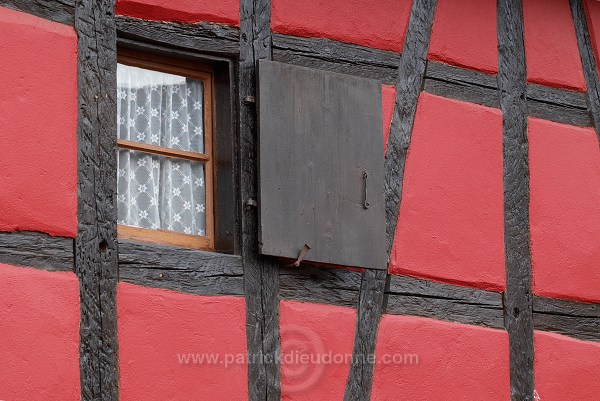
[
  {"x": 324, "y": 336},
  {"x": 38, "y": 123},
  {"x": 464, "y": 34},
  {"x": 421, "y": 359},
  {"x": 380, "y": 25},
  {"x": 450, "y": 225},
  {"x": 565, "y": 210},
  {"x": 190, "y": 11},
  {"x": 39, "y": 332},
  {"x": 551, "y": 45},
  {"x": 388, "y": 99},
  {"x": 565, "y": 368},
  {"x": 167, "y": 340},
  {"x": 592, "y": 8}
]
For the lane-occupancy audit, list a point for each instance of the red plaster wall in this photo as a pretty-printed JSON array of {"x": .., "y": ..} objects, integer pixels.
[
  {"x": 465, "y": 34},
  {"x": 156, "y": 325},
  {"x": 324, "y": 332},
  {"x": 380, "y": 25},
  {"x": 388, "y": 99},
  {"x": 450, "y": 225},
  {"x": 592, "y": 8},
  {"x": 38, "y": 123},
  {"x": 550, "y": 44},
  {"x": 190, "y": 11},
  {"x": 455, "y": 361},
  {"x": 39, "y": 332},
  {"x": 565, "y": 210},
  {"x": 566, "y": 368}
]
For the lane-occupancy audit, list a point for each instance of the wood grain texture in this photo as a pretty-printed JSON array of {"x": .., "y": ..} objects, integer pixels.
[
  {"x": 588, "y": 61},
  {"x": 261, "y": 276},
  {"x": 408, "y": 88},
  {"x": 512, "y": 84},
  {"x": 331, "y": 55},
  {"x": 557, "y": 105},
  {"x": 319, "y": 137},
  {"x": 416, "y": 297},
  {"x": 183, "y": 270},
  {"x": 371, "y": 304},
  {"x": 32, "y": 249},
  {"x": 570, "y": 318},
  {"x": 96, "y": 242},
  {"x": 462, "y": 84},
  {"x": 324, "y": 285},
  {"x": 201, "y": 37},
  {"x": 62, "y": 11}
]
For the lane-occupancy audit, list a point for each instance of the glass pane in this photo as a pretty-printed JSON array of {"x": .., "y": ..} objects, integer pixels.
[
  {"x": 160, "y": 109},
  {"x": 159, "y": 192}
]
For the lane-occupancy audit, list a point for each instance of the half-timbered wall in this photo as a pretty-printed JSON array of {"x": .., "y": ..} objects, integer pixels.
[{"x": 491, "y": 126}]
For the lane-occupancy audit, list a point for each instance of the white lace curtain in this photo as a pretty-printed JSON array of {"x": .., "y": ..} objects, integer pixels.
[{"x": 154, "y": 191}]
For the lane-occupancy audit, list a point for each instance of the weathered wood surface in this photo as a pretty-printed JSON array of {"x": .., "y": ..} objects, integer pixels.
[
  {"x": 323, "y": 285},
  {"x": 96, "y": 242},
  {"x": 411, "y": 296},
  {"x": 557, "y": 105},
  {"x": 331, "y": 55},
  {"x": 62, "y": 11},
  {"x": 371, "y": 304},
  {"x": 570, "y": 318},
  {"x": 200, "y": 37},
  {"x": 462, "y": 84},
  {"x": 408, "y": 88},
  {"x": 588, "y": 61},
  {"x": 319, "y": 136},
  {"x": 261, "y": 276},
  {"x": 512, "y": 84},
  {"x": 183, "y": 270},
  {"x": 32, "y": 249}
]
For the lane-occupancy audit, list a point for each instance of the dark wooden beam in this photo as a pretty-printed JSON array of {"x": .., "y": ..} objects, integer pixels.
[
  {"x": 512, "y": 85},
  {"x": 62, "y": 11},
  {"x": 416, "y": 297},
  {"x": 331, "y": 55},
  {"x": 570, "y": 318},
  {"x": 408, "y": 87},
  {"x": 96, "y": 242},
  {"x": 588, "y": 61},
  {"x": 324, "y": 285},
  {"x": 370, "y": 307},
  {"x": 200, "y": 37},
  {"x": 183, "y": 270},
  {"x": 261, "y": 275},
  {"x": 32, "y": 249}
]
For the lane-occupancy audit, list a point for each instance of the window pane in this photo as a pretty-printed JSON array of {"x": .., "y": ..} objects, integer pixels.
[
  {"x": 160, "y": 109},
  {"x": 159, "y": 192}
]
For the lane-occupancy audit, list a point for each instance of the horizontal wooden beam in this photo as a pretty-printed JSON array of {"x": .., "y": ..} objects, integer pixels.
[
  {"x": 200, "y": 37},
  {"x": 322, "y": 285},
  {"x": 416, "y": 297},
  {"x": 570, "y": 318},
  {"x": 336, "y": 56},
  {"x": 38, "y": 250},
  {"x": 62, "y": 11},
  {"x": 183, "y": 270}
]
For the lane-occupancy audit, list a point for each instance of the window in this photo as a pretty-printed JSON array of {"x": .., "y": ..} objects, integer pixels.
[{"x": 165, "y": 157}]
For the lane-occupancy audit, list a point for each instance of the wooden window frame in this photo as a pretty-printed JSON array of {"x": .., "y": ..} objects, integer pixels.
[{"x": 198, "y": 72}]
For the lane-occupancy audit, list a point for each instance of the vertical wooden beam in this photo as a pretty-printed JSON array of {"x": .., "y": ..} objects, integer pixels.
[
  {"x": 408, "y": 87},
  {"x": 96, "y": 245},
  {"x": 370, "y": 308},
  {"x": 261, "y": 276},
  {"x": 588, "y": 61},
  {"x": 512, "y": 84},
  {"x": 371, "y": 302}
]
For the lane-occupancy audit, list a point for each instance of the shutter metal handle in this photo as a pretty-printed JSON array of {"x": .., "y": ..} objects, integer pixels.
[{"x": 366, "y": 204}]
